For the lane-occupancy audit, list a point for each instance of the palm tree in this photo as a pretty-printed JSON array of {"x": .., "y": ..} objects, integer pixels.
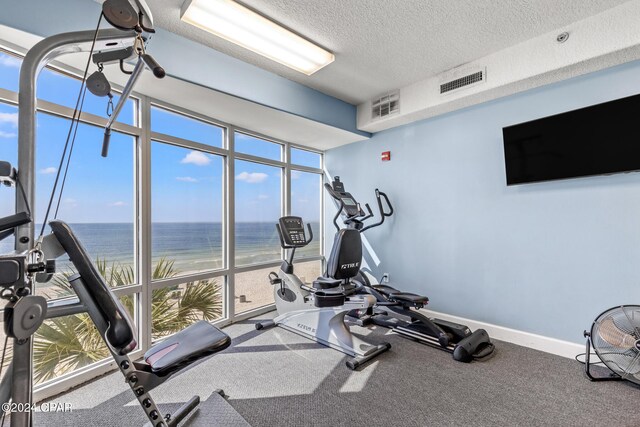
[{"x": 67, "y": 343}]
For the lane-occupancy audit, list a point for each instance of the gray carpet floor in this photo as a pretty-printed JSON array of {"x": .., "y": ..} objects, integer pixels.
[{"x": 277, "y": 378}]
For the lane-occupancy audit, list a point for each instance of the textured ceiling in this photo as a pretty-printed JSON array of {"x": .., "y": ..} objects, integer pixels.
[{"x": 381, "y": 45}]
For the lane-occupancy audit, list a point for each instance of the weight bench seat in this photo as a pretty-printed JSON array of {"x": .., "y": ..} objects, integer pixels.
[
  {"x": 195, "y": 342},
  {"x": 116, "y": 329}
]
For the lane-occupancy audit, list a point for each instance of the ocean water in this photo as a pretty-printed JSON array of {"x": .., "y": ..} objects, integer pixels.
[{"x": 191, "y": 246}]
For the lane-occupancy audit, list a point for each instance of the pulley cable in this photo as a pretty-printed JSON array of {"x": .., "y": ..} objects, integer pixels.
[
  {"x": 73, "y": 143},
  {"x": 75, "y": 117}
]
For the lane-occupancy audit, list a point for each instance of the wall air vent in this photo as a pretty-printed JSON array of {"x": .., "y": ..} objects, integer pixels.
[
  {"x": 469, "y": 79},
  {"x": 386, "y": 105}
]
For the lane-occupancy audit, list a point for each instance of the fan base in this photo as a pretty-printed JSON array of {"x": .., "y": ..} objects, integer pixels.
[{"x": 588, "y": 367}]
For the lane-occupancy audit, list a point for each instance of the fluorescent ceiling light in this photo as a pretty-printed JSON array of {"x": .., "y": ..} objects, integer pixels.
[{"x": 244, "y": 27}]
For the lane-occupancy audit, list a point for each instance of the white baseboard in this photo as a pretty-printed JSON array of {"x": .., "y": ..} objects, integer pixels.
[{"x": 514, "y": 336}]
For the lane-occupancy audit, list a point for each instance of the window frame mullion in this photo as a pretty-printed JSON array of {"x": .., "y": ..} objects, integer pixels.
[{"x": 143, "y": 237}]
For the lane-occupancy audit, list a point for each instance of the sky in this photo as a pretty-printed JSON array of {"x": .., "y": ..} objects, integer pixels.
[{"x": 186, "y": 185}]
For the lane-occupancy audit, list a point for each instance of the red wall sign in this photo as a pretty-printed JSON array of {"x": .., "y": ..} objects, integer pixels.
[{"x": 385, "y": 156}]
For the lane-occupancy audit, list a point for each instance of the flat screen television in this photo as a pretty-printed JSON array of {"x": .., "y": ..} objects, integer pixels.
[{"x": 596, "y": 140}]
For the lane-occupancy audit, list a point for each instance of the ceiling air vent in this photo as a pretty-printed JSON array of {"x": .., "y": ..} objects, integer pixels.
[
  {"x": 469, "y": 79},
  {"x": 385, "y": 105}
]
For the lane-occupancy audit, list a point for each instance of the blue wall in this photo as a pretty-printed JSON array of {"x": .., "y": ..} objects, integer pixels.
[
  {"x": 190, "y": 61},
  {"x": 545, "y": 258}
]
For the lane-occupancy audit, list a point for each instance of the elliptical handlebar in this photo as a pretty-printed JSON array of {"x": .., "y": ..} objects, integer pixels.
[
  {"x": 360, "y": 215},
  {"x": 356, "y": 220},
  {"x": 370, "y": 214},
  {"x": 386, "y": 199},
  {"x": 331, "y": 191},
  {"x": 383, "y": 214},
  {"x": 336, "y": 196},
  {"x": 337, "y": 215}
]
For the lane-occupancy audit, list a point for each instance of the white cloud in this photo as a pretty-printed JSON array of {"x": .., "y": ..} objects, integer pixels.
[
  {"x": 186, "y": 179},
  {"x": 263, "y": 197},
  {"x": 295, "y": 174},
  {"x": 48, "y": 171},
  {"x": 303, "y": 200},
  {"x": 196, "y": 158},
  {"x": 9, "y": 61},
  {"x": 72, "y": 203},
  {"x": 11, "y": 118},
  {"x": 7, "y": 134},
  {"x": 252, "y": 177},
  {"x": 117, "y": 204}
]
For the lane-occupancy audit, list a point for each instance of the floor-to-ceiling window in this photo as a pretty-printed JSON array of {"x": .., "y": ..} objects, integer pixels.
[
  {"x": 259, "y": 177},
  {"x": 179, "y": 218},
  {"x": 187, "y": 268}
]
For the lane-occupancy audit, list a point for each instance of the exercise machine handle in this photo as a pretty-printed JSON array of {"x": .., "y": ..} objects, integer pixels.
[
  {"x": 331, "y": 191},
  {"x": 282, "y": 243},
  {"x": 105, "y": 142},
  {"x": 337, "y": 215},
  {"x": 336, "y": 197},
  {"x": 383, "y": 214},
  {"x": 153, "y": 65},
  {"x": 310, "y": 235},
  {"x": 386, "y": 199},
  {"x": 369, "y": 209},
  {"x": 143, "y": 60},
  {"x": 369, "y": 214}
]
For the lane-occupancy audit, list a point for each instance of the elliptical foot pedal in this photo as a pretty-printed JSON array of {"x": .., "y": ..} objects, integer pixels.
[
  {"x": 386, "y": 321},
  {"x": 356, "y": 320}
]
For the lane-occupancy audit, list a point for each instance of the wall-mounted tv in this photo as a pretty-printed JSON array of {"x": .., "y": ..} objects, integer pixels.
[{"x": 596, "y": 140}]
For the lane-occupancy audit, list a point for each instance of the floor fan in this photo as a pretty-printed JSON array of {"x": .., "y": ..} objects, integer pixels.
[{"x": 615, "y": 338}]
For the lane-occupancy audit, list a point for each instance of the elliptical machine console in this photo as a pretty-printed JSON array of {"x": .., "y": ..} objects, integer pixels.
[
  {"x": 396, "y": 309},
  {"x": 317, "y": 312},
  {"x": 350, "y": 206}
]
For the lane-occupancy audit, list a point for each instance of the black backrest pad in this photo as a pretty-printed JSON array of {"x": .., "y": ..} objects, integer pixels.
[
  {"x": 346, "y": 255},
  {"x": 119, "y": 334}
]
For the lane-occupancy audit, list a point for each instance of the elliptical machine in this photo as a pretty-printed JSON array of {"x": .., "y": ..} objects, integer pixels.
[
  {"x": 396, "y": 309},
  {"x": 317, "y": 312}
]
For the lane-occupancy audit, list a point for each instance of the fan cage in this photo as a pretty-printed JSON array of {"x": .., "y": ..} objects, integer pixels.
[{"x": 614, "y": 337}]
